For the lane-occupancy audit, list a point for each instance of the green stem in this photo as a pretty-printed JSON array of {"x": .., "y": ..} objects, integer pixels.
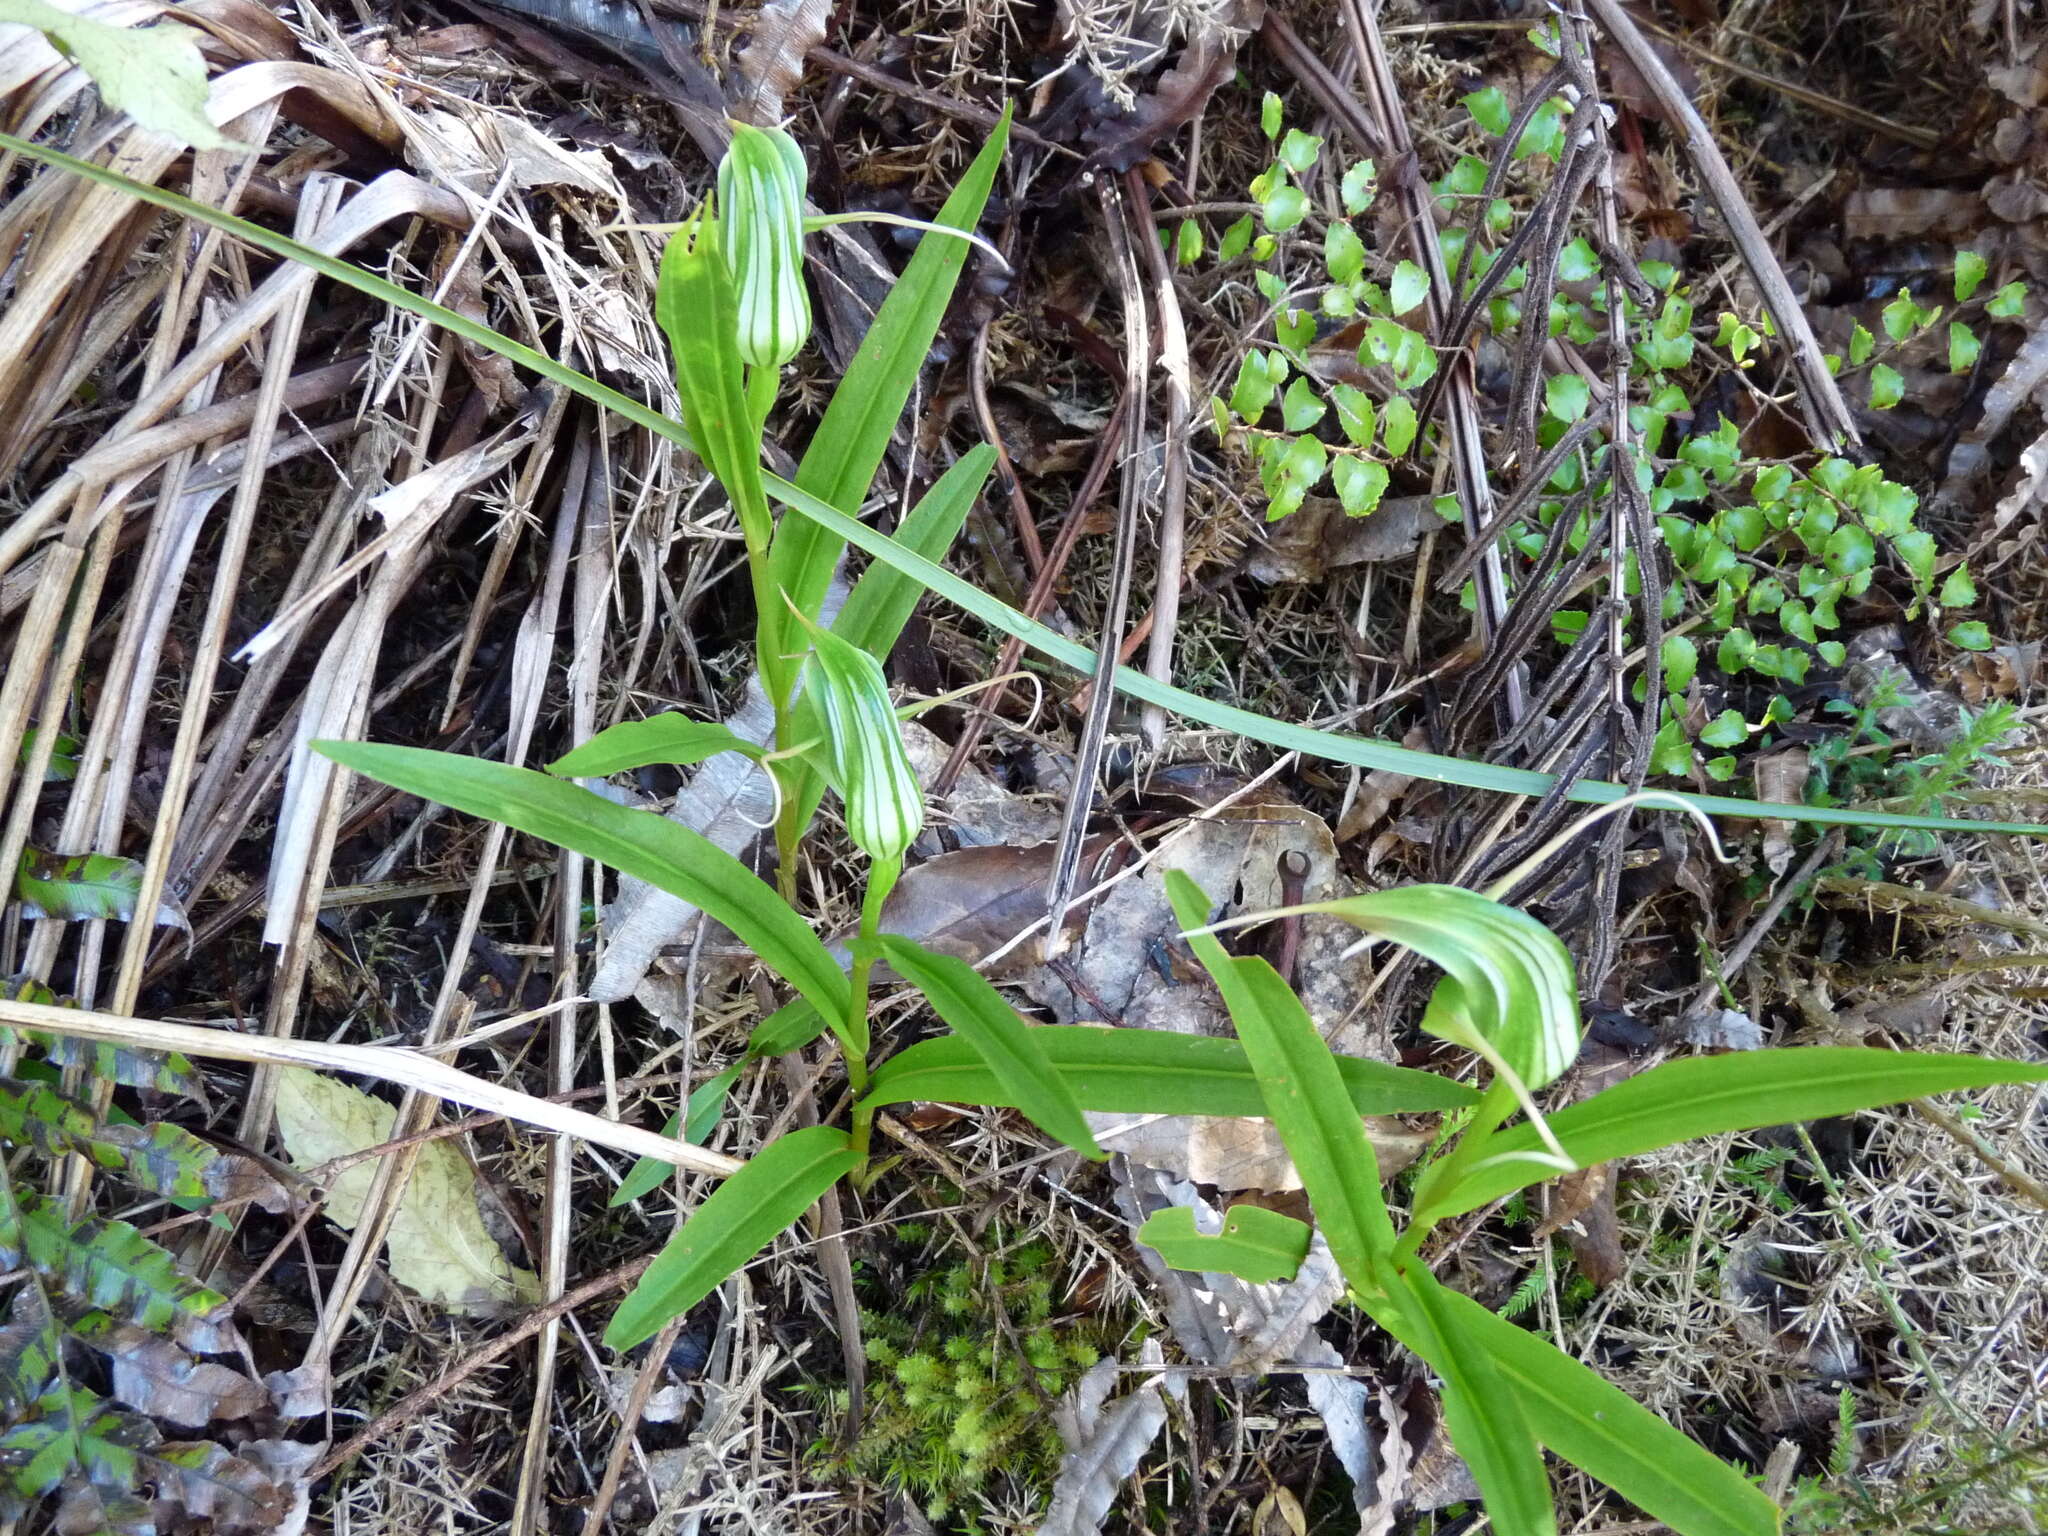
[
  {"x": 882, "y": 875},
  {"x": 1495, "y": 1105}
]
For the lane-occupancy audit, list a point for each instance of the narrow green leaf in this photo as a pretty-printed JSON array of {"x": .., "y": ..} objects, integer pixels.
[
  {"x": 789, "y": 1028},
  {"x": 1706, "y": 1095},
  {"x": 1330, "y": 746},
  {"x": 1143, "y": 1071},
  {"x": 963, "y": 997},
  {"x": 1255, "y": 1244},
  {"x": 1488, "y": 1426},
  {"x": 846, "y": 450},
  {"x": 740, "y": 1218},
  {"x": 1605, "y": 1432},
  {"x": 648, "y": 847},
  {"x": 669, "y": 738},
  {"x": 1304, "y": 1094},
  {"x": 884, "y": 598}
]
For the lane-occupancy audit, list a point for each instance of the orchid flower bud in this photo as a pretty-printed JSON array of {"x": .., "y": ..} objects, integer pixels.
[
  {"x": 761, "y": 184},
  {"x": 865, "y": 758}
]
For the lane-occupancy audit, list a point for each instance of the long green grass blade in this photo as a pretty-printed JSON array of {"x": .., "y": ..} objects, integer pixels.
[
  {"x": 1602, "y": 1430},
  {"x": 846, "y": 450},
  {"x": 1331, "y": 746},
  {"x": 1706, "y": 1095},
  {"x": 1144, "y": 1071},
  {"x": 1489, "y": 1427},
  {"x": 648, "y": 847},
  {"x": 1255, "y": 1244},
  {"x": 740, "y": 1218},
  {"x": 1304, "y": 1094},
  {"x": 962, "y": 996}
]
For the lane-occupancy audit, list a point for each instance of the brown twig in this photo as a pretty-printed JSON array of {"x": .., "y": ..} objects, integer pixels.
[{"x": 421, "y": 1397}]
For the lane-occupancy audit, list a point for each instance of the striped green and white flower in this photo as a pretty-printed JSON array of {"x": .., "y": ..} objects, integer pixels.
[
  {"x": 761, "y": 185},
  {"x": 864, "y": 751}
]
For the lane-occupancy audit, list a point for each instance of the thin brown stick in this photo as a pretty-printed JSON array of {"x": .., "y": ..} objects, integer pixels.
[
  {"x": 1173, "y": 492},
  {"x": 1827, "y": 414},
  {"x": 421, "y": 1397}
]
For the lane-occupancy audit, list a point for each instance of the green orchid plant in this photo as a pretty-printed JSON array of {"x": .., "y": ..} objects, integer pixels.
[{"x": 732, "y": 300}]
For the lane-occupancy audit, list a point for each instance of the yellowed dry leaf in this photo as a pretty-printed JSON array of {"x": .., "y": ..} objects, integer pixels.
[{"x": 437, "y": 1245}]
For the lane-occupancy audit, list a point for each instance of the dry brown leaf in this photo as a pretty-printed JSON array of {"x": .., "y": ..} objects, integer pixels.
[
  {"x": 1781, "y": 777},
  {"x": 155, "y": 1377},
  {"x": 772, "y": 64}
]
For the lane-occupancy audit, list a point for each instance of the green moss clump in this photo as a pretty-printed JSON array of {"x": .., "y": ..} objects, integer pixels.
[{"x": 956, "y": 1400}]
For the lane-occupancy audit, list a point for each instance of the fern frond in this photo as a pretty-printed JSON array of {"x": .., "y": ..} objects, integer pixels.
[
  {"x": 163, "y": 1159},
  {"x": 112, "y": 1266}
]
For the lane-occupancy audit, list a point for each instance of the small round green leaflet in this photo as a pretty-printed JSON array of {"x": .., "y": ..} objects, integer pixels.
[
  {"x": 1255, "y": 1244},
  {"x": 761, "y": 183}
]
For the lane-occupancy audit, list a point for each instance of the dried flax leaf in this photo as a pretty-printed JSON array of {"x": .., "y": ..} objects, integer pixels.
[{"x": 437, "y": 1244}]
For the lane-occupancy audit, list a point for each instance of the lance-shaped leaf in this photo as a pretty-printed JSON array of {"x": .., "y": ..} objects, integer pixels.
[
  {"x": 761, "y": 181},
  {"x": 1304, "y": 1094},
  {"x": 1596, "y": 1426},
  {"x": 1254, "y": 1243},
  {"x": 1707, "y": 1095},
  {"x": 164, "y": 1159},
  {"x": 863, "y": 747},
  {"x": 154, "y": 1376},
  {"x": 79, "y": 885},
  {"x": 741, "y": 1217},
  {"x": 29, "y": 1347},
  {"x": 839, "y": 465},
  {"x": 670, "y": 738},
  {"x": 112, "y": 1266},
  {"x": 789, "y": 1028},
  {"x": 1142, "y": 1071},
  {"x": 637, "y": 843},
  {"x": 74, "y": 1435},
  {"x": 1489, "y": 1427},
  {"x": 962, "y": 996}
]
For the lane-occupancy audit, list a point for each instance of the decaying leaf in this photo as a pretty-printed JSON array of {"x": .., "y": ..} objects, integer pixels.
[
  {"x": 1781, "y": 776},
  {"x": 437, "y": 1244},
  {"x": 1105, "y": 1444},
  {"x": 772, "y": 63},
  {"x": 154, "y": 1376},
  {"x": 212, "y": 1483}
]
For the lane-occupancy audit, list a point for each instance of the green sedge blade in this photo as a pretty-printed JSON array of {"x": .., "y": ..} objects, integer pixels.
[
  {"x": 648, "y": 847},
  {"x": 789, "y": 1028},
  {"x": 740, "y": 1218},
  {"x": 962, "y": 996},
  {"x": 845, "y": 452},
  {"x": 1707, "y": 1095},
  {"x": 1489, "y": 1427},
  {"x": 1507, "y": 976},
  {"x": 882, "y": 600},
  {"x": 1304, "y": 1094},
  {"x": 1144, "y": 1071},
  {"x": 1329, "y": 746},
  {"x": 670, "y": 738},
  {"x": 1600, "y": 1429},
  {"x": 1256, "y": 1244}
]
